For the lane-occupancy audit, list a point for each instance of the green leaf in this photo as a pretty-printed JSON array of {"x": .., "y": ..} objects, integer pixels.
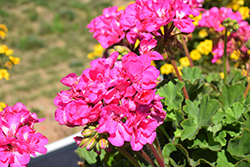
[
  {"x": 247, "y": 120},
  {"x": 243, "y": 163},
  {"x": 236, "y": 76},
  {"x": 199, "y": 114},
  {"x": 191, "y": 74},
  {"x": 212, "y": 77},
  {"x": 231, "y": 94},
  {"x": 205, "y": 139},
  {"x": 89, "y": 156},
  {"x": 222, "y": 160},
  {"x": 234, "y": 113},
  {"x": 171, "y": 92},
  {"x": 239, "y": 146},
  {"x": 200, "y": 156},
  {"x": 174, "y": 154},
  {"x": 220, "y": 137}
]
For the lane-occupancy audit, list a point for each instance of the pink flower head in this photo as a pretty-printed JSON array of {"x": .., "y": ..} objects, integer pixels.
[
  {"x": 109, "y": 93},
  {"x": 107, "y": 28},
  {"x": 214, "y": 17},
  {"x": 18, "y": 137}
]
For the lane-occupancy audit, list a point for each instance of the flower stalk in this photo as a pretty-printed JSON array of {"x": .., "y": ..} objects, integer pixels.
[
  {"x": 225, "y": 56},
  {"x": 179, "y": 77},
  {"x": 156, "y": 155},
  {"x": 127, "y": 155},
  {"x": 187, "y": 52},
  {"x": 146, "y": 157}
]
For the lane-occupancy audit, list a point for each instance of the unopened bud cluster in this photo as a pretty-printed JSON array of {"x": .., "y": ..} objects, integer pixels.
[
  {"x": 93, "y": 140},
  {"x": 232, "y": 25}
]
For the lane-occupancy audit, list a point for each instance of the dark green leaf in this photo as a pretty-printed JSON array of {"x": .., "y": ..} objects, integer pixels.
[
  {"x": 171, "y": 92},
  {"x": 239, "y": 146},
  {"x": 199, "y": 114},
  {"x": 243, "y": 163},
  {"x": 201, "y": 156},
  {"x": 222, "y": 160},
  {"x": 231, "y": 94},
  {"x": 205, "y": 140},
  {"x": 191, "y": 74},
  {"x": 89, "y": 156}
]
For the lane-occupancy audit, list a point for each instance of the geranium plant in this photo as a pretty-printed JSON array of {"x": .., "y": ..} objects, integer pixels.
[{"x": 184, "y": 117}]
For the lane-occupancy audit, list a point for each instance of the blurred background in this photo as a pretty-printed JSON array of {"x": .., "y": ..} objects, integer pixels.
[{"x": 51, "y": 39}]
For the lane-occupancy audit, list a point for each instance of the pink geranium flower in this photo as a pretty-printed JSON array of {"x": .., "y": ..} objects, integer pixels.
[
  {"x": 18, "y": 137},
  {"x": 109, "y": 93}
]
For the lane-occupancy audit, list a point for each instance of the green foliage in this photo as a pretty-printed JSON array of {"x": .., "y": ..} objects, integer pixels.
[{"x": 210, "y": 129}]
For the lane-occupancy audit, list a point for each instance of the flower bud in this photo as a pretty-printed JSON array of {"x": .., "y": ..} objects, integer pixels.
[
  {"x": 122, "y": 49},
  {"x": 87, "y": 132},
  {"x": 91, "y": 144},
  {"x": 232, "y": 25},
  {"x": 110, "y": 51},
  {"x": 92, "y": 127},
  {"x": 103, "y": 143},
  {"x": 84, "y": 142},
  {"x": 97, "y": 148}
]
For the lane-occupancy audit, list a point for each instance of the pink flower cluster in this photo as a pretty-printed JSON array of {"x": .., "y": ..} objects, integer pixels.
[
  {"x": 142, "y": 19},
  {"x": 118, "y": 95},
  {"x": 213, "y": 18},
  {"x": 106, "y": 28},
  {"x": 18, "y": 138}
]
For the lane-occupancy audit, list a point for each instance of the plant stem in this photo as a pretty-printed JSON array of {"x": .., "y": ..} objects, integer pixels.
[
  {"x": 157, "y": 144},
  {"x": 225, "y": 56},
  {"x": 179, "y": 77},
  {"x": 127, "y": 155},
  {"x": 187, "y": 52},
  {"x": 166, "y": 134},
  {"x": 146, "y": 157},
  {"x": 248, "y": 85},
  {"x": 156, "y": 154}
]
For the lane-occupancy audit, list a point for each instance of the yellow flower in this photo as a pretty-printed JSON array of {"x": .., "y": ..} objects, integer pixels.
[
  {"x": 222, "y": 75},
  {"x": 2, "y": 106},
  {"x": 205, "y": 47},
  {"x": 203, "y": 33},
  {"x": 219, "y": 61},
  {"x": 235, "y": 55},
  {"x": 195, "y": 55},
  {"x": 244, "y": 11},
  {"x": 240, "y": 2},
  {"x": 98, "y": 50},
  {"x": 9, "y": 52},
  {"x": 184, "y": 62},
  {"x": 121, "y": 8},
  {"x": 153, "y": 63},
  {"x": 196, "y": 19},
  {"x": 4, "y": 74},
  {"x": 167, "y": 69},
  {"x": 2, "y": 35},
  {"x": 91, "y": 55},
  {"x": 3, "y": 49},
  {"x": 3, "y": 28},
  {"x": 8, "y": 64},
  {"x": 248, "y": 52},
  {"x": 131, "y": 2},
  {"x": 15, "y": 60},
  {"x": 179, "y": 69},
  {"x": 233, "y": 5}
]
